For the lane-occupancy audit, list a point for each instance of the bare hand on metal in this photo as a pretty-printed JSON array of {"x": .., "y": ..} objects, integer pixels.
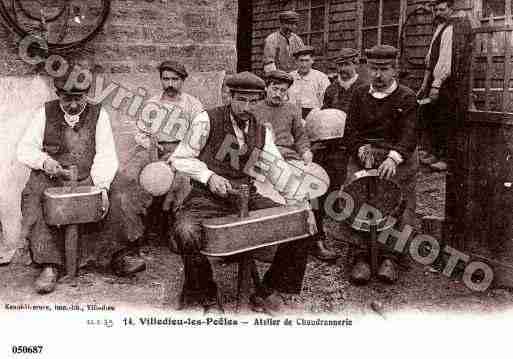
[
  {"x": 365, "y": 156},
  {"x": 52, "y": 167},
  {"x": 219, "y": 185},
  {"x": 387, "y": 169}
]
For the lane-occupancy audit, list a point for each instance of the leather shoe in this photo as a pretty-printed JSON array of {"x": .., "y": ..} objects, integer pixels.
[
  {"x": 212, "y": 305},
  {"x": 213, "y": 309},
  {"x": 47, "y": 280},
  {"x": 439, "y": 166},
  {"x": 128, "y": 264},
  {"x": 388, "y": 272},
  {"x": 270, "y": 305},
  {"x": 361, "y": 273},
  {"x": 321, "y": 252}
]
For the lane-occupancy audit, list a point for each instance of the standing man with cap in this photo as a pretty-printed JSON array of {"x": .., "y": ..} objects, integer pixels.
[
  {"x": 332, "y": 154},
  {"x": 309, "y": 84},
  {"x": 280, "y": 45},
  {"x": 445, "y": 83},
  {"x": 385, "y": 112},
  {"x": 212, "y": 178},
  {"x": 70, "y": 131},
  {"x": 338, "y": 94},
  {"x": 179, "y": 107}
]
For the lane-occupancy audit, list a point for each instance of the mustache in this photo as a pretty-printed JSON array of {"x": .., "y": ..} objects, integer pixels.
[{"x": 171, "y": 89}]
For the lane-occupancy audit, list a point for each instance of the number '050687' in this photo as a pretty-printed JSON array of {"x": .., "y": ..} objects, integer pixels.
[{"x": 27, "y": 349}]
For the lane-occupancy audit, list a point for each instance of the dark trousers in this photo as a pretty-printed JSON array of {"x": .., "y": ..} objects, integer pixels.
[
  {"x": 437, "y": 119},
  {"x": 287, "y": 269},
  {"x": 117, "y": 232},
  {"x": 334, "y": 159},
  {"x": 406, "y": 178}
]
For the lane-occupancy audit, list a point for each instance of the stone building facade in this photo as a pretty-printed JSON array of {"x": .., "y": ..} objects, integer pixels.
[{"x": 136, "y": 37}]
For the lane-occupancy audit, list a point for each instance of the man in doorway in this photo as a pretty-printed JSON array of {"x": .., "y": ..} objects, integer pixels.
[
  {"x": 280, "y": 46},
  {"x": 445, "y": 87}
]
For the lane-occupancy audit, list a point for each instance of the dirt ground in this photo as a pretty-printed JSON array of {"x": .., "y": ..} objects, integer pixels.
[{"x": 326, "y": 288}]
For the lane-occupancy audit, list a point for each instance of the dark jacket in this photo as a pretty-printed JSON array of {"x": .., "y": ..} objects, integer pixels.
[
  {"x": 338, "y": 97},
  {"x": 391, "y": 119}
]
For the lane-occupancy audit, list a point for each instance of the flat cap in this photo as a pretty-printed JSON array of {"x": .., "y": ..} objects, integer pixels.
[
  {"x": 245, "y": 82},
  {"x": 175, "y": 67},
  {"x": 304, "y": 50},
  {"x": 76, "y": 80},
  {"x": 289, "y": 16},
  {"x": 346, "y": 54},
  {"x": 279, "y": 76},
  {"x": 381, "y": 54}
]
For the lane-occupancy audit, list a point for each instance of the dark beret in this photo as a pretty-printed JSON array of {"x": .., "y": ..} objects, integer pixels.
[
  {"x": 304, "y": 50},
  {"x": 381, "y": 54},
  {"x": 289, "y": 16},
  {"x": 175, "y": 67},
  {"x": 346, "y": 54},
  {"x": 279, "y": 76},
  {"x": 245, "y": 82}
]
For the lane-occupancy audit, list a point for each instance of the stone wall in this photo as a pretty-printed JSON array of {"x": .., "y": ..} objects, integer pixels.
[{"x": 137, "y": 36}]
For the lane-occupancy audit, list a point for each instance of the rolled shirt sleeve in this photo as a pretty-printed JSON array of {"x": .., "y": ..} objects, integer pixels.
[
  {"x": 105, "y": 163},
  {"x": 29, "y": 151},
  {"x": 185, "y": 157},
  {"x": 442, "y": 68}
]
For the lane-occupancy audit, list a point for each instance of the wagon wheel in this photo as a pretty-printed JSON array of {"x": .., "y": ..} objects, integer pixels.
[{"x": 64, "y": 25}]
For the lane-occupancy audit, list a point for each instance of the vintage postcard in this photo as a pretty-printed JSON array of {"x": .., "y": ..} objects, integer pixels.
[{"x": 199, "y": 177}]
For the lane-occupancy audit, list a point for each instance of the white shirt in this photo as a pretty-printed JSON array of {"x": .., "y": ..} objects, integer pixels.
[
  {"x": 185, "y": 157},
  {"x": 182, "y": 111},
  {"x": 442, "y": 68},
  {"x": 385, "y": 93},
  {"x": 105, "y": 162},
  {"x": 308, "y": 90}
]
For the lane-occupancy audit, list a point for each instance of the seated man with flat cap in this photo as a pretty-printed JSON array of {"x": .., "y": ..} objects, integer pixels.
[
  {"x": 71, "y": 131},
  {"x": 290, "y": 135},
  {"x": 289, "y": 132},
  {"x": 280, "y": 46},
  {"x": 381, "y": 131},
  {"x": 213, "y": 176},
  {"x": 179, "y": 109},
  {"x": 309, "y": 84}
]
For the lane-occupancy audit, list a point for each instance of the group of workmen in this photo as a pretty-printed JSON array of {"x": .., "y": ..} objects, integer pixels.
[{"x": 71, "y": 131}]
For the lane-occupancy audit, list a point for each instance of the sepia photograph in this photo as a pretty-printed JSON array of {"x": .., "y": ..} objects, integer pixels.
[{"x": 269, "y": 171}]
